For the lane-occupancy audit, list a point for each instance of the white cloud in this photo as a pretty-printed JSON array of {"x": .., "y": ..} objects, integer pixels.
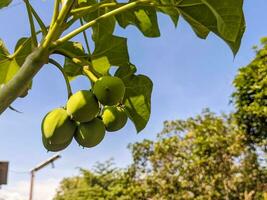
[{"x": 43, "y": 190}]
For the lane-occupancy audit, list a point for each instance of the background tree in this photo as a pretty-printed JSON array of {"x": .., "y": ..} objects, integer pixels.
[
  {"x": 250, "y": 98},
  {"x": 204, "y": 157}
]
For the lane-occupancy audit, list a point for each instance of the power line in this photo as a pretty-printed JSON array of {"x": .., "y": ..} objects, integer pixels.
[{"x": 19, "y": 172}]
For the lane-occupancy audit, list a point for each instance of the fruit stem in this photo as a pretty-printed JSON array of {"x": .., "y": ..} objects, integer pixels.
[
  {"x": 89, "y": 74},
  {"x": 56, "y": 64},
  {"x": 79, "y": 61}
]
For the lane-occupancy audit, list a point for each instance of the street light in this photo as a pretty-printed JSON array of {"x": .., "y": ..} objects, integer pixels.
[{"x": 37, "y": 168}]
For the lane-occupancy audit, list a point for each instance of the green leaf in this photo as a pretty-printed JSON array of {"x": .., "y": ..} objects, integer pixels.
[
  {"x": 172, "y": 12},
  {"x": 24, "y": 44},
  {"x": 228, "y": 15},
  {"x": 71, "y": 69},
  {"x": 145, "y": 19},
  {"x": 87, "y": 16},
  {"x": 4, "y": 3},
  {"x": 4, "y": 53},
  {"x": 124, "y": 72},
  {"x": 104, "y": 29},
  {"x": 109, "y": 51},
  {"x": 137, "y": 99},
  {"x": 8, "y": 67},
  {"x": 224, "y": 18},
  {"x": 74, "y": 50},
  {"x": 26, "y": 49},
  {"x": 107, "y": 25}
]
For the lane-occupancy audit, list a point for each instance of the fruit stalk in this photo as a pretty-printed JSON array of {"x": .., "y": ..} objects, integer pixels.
[{"x": 89, "y": 74}]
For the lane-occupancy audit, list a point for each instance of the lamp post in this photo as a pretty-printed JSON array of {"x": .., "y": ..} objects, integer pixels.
[
  {"x": 39, "y": 167},
  {"x": 3, "y": 172}
]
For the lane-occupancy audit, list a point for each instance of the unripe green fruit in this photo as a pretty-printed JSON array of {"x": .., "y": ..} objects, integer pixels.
[
  {"x": 57, "y": 128},
  {"x": 91, "y": 133},
  {"x": 109, "y": 90},
  {"x": 83, "y": 106},
  {"x": 55, "y": 147},
  {"x": 114, "y": 118}
]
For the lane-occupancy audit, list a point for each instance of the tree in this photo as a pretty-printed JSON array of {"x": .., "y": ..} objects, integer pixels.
[
  {"x": 223, "y": 18},
  {"x": 250, "y": 98},
  {"x": 204, "y": 157}
]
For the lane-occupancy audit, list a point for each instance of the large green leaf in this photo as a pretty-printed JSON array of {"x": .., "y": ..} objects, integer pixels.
[
  {"x": 8, "y": 66},
  {"x": 144, "y": 18},
  {"x": 4, "y": 3},
  {"x": 109, "y": 51},
  {"x": 137, "y": 98},
  {"x": 224, "y": 18},
  {"x": 104, "y": 29}
]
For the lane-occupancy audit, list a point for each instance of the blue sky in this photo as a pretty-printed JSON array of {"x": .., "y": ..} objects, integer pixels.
[{"x": 189, "y": 74}]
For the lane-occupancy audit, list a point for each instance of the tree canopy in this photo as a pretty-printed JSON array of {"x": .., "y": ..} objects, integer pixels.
[
  {"x": 250, "y": 97},
  {"x": 204, "y": 157}
]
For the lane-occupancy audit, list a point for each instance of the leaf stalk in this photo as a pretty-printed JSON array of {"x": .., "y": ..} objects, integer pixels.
[{"x": 57, "y": 65}]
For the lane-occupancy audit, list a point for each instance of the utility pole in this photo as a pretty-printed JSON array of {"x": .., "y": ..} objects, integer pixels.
[
  {"x": 37, "y": 168},
  {"x": 3, "y": 172}
]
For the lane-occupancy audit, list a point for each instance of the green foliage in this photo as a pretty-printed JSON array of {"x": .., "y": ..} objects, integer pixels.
[
  {"x": 250, "y": 98},
  {"x": 109, "y": 51},
  {"x": 223, "y": 18},
  {"x": 201, "y": 158},
  {"x": 145, "y": 19},
  {"x": 25, "y": 45},
  {"x": 5, "y": 3},
  {"x": 137, "y": 98},
  {"x": 72, "y": 50},
  {"x": 8, "y": 66}
]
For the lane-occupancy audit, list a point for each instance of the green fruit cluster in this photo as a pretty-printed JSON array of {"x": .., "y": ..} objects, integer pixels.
[{"x": 87, "y": 116}]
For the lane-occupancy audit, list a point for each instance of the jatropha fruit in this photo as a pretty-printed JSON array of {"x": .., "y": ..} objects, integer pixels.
[
  {"x": 109, "y": 90},
  {"x": 114, "y": 118},
  {"x": 87, "y": 116},
  {"x": 57, "y": 130},
  {"x": 83, "y": 106},
  {"x": 91, "y": 133}
]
